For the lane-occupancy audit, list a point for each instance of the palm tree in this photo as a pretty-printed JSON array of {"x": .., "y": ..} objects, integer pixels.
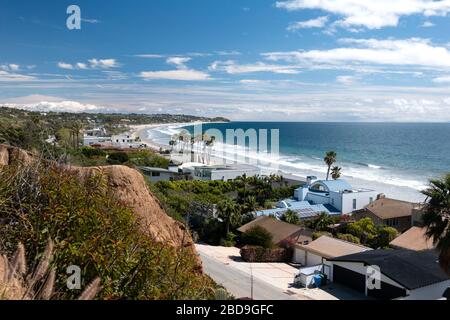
[
  {"x": 330, "y": 159},
  {"x": 322, "y": 221},
  {"x": 437, "y": 218},
  {"x": 336, "y": 172},
  {"x": 290, "y": 217},
  {"x": 229, "y": 212},
  {"x": 251, "y": 204}
]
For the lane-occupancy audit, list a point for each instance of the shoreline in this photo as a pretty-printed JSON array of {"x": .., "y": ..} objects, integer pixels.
[{"x": 391, "y": 190}]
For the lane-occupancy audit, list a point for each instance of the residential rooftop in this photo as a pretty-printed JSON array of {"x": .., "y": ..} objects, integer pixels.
[
  {"x": 409, "y": 268},
  {"x": 413, "y": 239},
  {"x": 386, "y": 208},
  {"x": 279, "y": 230},
  {"x": 329, "y": 247}
]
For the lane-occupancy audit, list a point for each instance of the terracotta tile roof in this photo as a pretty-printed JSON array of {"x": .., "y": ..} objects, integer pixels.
[
  {"x": 413, "y": 239},
  {"x": 328, "y": 247},
  {"x": 386, "y": 208},
  {"x": 280, "y": 230}
]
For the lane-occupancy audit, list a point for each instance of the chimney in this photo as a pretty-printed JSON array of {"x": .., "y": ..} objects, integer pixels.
[{"x": 381, "y": 196}]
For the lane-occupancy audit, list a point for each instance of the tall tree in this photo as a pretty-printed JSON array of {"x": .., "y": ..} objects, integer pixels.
[
  {"x": 436, "y": 218},
  {"x": 336, "y": 172},
  {"x": 322, "y": 221},
  {"x": 230, "y": 213},
  {"x": 290, "y": 217},
  {"x": 330, "y": 159}
]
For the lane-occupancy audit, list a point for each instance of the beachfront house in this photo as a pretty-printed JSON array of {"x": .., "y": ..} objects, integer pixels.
[
  {"x": 390, "y": 212},
  {"x": 393, "y": 274},
  {"x": 161, "y": 174},
  {"x": 334, "y": 197},
  {"x": 95, "y": 140},
  {"x": 224, "y": 172},
  {"x": 126, "y": 140},
  {"x": 338, "y": 194}
]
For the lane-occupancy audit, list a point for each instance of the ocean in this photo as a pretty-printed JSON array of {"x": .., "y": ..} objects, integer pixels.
[{"x": 397, "y": 159}]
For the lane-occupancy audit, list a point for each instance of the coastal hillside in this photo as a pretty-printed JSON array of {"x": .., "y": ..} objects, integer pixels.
[{"x": 103, "y": 219}]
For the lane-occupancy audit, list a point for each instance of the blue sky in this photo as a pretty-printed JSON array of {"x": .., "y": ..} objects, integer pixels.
[{"x": 292, "y": 60}]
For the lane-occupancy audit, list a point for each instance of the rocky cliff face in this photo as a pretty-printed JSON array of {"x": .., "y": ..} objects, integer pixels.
[{"x": 130, "y": 188}]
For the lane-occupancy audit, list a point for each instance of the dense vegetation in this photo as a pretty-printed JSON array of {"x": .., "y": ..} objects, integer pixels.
[
  {"x": 202, "y": 202},
  {"x": 437, "y": 218},
  {"x": 94, "y": 231}
]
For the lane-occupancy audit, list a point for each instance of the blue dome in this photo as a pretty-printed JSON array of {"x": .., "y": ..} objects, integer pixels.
[{"x": 332, "y": 185}]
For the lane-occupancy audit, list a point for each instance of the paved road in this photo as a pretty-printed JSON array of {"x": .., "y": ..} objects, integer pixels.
[{"x": 238, "y": 283}]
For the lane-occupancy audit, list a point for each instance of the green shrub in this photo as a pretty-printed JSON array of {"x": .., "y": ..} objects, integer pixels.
[
  {"x": 257, "y": 236},
  {"x": 95, "y": 231},
  {"x": 348, "y": 237},
  {"x": 318, "y": 234},
  {"x": 386, "y": 235},
  {"x": 90, "y": 152},
  {"x": 229, "y": 241},
  {"x": 118, "y": 158}
]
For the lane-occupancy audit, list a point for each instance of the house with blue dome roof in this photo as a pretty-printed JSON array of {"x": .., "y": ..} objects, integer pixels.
[{"x": 334, "y": 197}]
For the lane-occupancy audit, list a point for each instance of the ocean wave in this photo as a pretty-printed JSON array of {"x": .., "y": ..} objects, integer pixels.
[{"x": 302, "y": 166}]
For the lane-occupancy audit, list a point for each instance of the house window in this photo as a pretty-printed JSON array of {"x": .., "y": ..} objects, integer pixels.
[
  {"x": 392, "y": 222},
  {"x": 354, "y": 204},
  {"x": 156, "y": 174}
]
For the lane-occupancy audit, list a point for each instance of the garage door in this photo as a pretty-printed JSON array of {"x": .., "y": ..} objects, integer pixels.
[
  {"x": 386, "y": 292},
  {"x": 349, "y": 278}
]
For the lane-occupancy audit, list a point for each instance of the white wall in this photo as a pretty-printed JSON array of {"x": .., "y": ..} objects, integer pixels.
[
  {"x": 432, "y": 292},
  {"x": 362, "y": 199},
  {"x": 299, "y": 256}
]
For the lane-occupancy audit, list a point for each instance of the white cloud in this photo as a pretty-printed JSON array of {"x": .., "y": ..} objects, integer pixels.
[
  {"x": 14, "y": 67},
  {"x": 251, "y": 81},
  {"x": 66, "y": 66},
  {"x": 371, "y": 14},
  {"x": 428, "y": 24},
  {"x": 81, "y": 65},
  {"x": 61, "y": 106},
  {"x": 6, "y": 76},
  {"x": 231, "y": 67},
  {"x": 103, "y": 63},
  {"x": 346, "y": 80},
  {"x": 149, "y": 56},
  {"x": 409, "y": 52},
  {"x": 181, "y": 74},
  {"x": 179, "y": 62},
  {"x": 313, "y": 23},
  {"x": 443, "y": 79}
]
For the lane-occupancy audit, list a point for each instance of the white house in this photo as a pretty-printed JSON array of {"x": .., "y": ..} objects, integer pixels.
[
  {"x": 392, "y": 274},
  {"x": 93, "y": 140},
  {"x": 224, "y": 172},
  {"x": 336, "y": 193},
  {"x": 161, "y": 174},
  {"x": 126, "y": 140}
]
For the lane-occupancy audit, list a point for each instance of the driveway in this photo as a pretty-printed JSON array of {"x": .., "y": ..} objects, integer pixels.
[{"x": 271, "y": 281}]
